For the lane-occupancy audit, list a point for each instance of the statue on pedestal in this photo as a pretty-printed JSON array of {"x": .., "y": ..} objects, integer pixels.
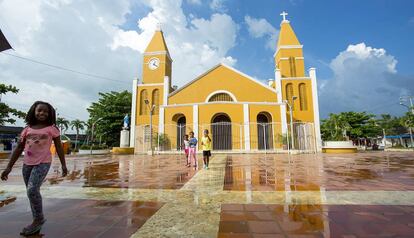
[{"x": 126, "y": 122}]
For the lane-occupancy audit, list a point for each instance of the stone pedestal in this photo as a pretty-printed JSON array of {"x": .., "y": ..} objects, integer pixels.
[{"x": 124, "y": 142}]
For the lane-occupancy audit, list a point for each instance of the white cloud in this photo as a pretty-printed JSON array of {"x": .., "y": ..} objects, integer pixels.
[
  {"x": 259, "y": 28},
  {"x": 195, "y": 44},
  {"x": 84, "y": 36},
  {"x": 218, "y": 5},
  {"x": 73, "y": 34},
  {"x": 365, "y": 79}
]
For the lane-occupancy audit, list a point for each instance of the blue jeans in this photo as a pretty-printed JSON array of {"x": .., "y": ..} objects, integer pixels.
[{"x": 33, "y": 176}]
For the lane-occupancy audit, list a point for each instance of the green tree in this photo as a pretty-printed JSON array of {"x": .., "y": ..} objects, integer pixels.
[
  {"x": 110, "y": 110},
  {"x": 335, "y": 127},
  {"x": 77, "y": 125},
  {"x": 350, "y": 125},
  {"x": 391, "y": 125},
  {"x": 6, "y": 112},
  {"x": 62, "y": 124}
]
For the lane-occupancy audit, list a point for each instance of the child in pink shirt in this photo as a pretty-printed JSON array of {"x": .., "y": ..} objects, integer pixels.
[
  {"x": 35, "y": 141},
  {"x": 193, "y": 150}
]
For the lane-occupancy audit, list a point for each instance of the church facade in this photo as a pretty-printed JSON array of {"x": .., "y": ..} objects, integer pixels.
[{"x": 240, "y": 112}]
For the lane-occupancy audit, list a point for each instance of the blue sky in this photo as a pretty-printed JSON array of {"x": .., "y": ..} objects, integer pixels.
[
  {"x": 325, "y": 28},
  {"x": 362, "y": 49}
]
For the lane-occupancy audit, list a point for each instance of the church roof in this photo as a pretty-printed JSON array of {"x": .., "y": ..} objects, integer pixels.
[
  {"x": 286, "y": 35},
  {"x": 157, "y": 43},
  {"x": 228, "y": 67}
]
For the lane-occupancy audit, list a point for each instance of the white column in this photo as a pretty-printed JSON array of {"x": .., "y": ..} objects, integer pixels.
[
  {"x": 312, "y": 75},
  {"x": 246, "y": 120},
  {"x": 161, "y": 120},
  {"x": 195, "y": 120},
  {"x": 133, "y": 113},
  {"x": 166, "y": 90},
  {"x": 278, "y": 83}
]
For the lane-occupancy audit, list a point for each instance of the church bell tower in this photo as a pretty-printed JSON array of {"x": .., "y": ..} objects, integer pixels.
[
  {"x": 151, "y": 94},
  {"x": 294, "y": 87}
]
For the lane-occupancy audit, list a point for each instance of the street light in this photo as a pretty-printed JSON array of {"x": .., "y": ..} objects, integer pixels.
[
  {"x": 291, "y": 119},
  {"x": 93, "y": 125},
  {"x": 151, "y": 109}
]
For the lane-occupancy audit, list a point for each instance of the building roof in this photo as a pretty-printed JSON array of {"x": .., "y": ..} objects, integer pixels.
[
  {"x": 403, "y": 136},
  {"x": 286, "y": 35},
  {"x": 157, "y": 43},
  {"x": 215, "y": 67},
  {"x": 11, "y": 129}
]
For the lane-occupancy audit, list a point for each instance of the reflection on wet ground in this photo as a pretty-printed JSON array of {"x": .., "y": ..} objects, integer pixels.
[
  {"x": 258, "y": 220},
  {"x": 362, "y": 171},
  {"x": 79, "y": 218},
  {"x": 256, "y": 195},
  {"x": 167, "y": 172}
]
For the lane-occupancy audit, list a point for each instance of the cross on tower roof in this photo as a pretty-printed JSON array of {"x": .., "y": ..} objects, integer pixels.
[{"x": 284, "y": 14}]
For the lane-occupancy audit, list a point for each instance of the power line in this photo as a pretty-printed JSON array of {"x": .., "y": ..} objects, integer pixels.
[{"x": 65, "y": 69}]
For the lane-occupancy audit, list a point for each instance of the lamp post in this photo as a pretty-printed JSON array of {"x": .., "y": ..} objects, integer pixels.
[
  {"x": 93, "y": 125},
  {"x": 151, "y": 109},
  {"x": 291, "y": 119}
]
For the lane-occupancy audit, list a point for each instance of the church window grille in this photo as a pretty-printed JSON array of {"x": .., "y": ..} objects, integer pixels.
[
  {"x": 143, "y": 108},
  {"x": 303, "y": 99},
  {"x": 220, "y": 97}
]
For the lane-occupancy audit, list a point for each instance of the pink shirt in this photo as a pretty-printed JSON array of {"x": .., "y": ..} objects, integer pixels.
[{"x": 38, "y": 142}]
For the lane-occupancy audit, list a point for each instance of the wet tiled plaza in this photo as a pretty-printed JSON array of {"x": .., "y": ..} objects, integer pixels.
[{"x": 257, "y": 195}]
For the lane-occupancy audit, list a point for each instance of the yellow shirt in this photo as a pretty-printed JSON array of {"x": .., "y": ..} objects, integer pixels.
[{"x": 206, "y": 143}]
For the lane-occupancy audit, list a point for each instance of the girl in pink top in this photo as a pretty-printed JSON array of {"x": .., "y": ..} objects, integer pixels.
[{"x": 35, "y": 141}]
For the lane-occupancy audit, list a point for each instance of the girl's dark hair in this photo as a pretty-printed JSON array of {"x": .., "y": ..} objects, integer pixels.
[{"x": 31, "y": 117}]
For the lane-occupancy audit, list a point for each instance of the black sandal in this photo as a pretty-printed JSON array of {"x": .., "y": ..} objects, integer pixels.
[{"x": 32, "y": 230}]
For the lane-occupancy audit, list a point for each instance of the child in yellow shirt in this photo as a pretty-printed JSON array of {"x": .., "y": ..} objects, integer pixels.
[{"x": 206, "y": 144}]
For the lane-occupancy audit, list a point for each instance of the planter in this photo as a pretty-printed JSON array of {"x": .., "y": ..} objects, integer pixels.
[
  {"x": 94, "y": 152},
  {"x": 123, "y": 150},
  {"x": 4, "y": 154},
  {"x": 339, "y": 147}
]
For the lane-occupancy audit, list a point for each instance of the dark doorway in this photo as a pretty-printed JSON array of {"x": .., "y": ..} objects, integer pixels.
[
  {"x": 221, "y": 131},
  {"x": 264, "y": 131},
  {"x": 180, "y": 132}
]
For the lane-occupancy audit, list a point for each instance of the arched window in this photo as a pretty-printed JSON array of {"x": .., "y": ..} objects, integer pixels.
[
  {"x": 221, "y": 97},
  {"x": 292, "y": 64},
  {"x": 303, "y": 99},
  {"x": 156, "y": 100},
  {"x": 143, "y": 108},
  {"x": 289, "y": 93}
]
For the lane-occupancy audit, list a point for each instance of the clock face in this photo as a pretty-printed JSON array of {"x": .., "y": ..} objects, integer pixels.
[{"x": 154, "y": 63}]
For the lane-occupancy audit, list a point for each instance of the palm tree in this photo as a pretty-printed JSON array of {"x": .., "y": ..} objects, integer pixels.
[
  {"x": 62, "y": 124},
  {"x": 77, "y": 125}
]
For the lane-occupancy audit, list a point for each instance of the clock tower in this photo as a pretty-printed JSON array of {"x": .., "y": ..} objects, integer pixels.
[
  {"x": 153, "y": 90},
  {"x": 157, "y": 61}
]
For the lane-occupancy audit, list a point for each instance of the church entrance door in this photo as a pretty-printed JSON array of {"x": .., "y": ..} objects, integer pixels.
[
  {"x": 221, "y": 132},
  {"x": 264, "y": 131},
  {"x": 180, "y": 132}
]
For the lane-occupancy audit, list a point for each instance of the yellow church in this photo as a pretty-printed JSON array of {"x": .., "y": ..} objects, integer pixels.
[{"x": 241, "y": 113}]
